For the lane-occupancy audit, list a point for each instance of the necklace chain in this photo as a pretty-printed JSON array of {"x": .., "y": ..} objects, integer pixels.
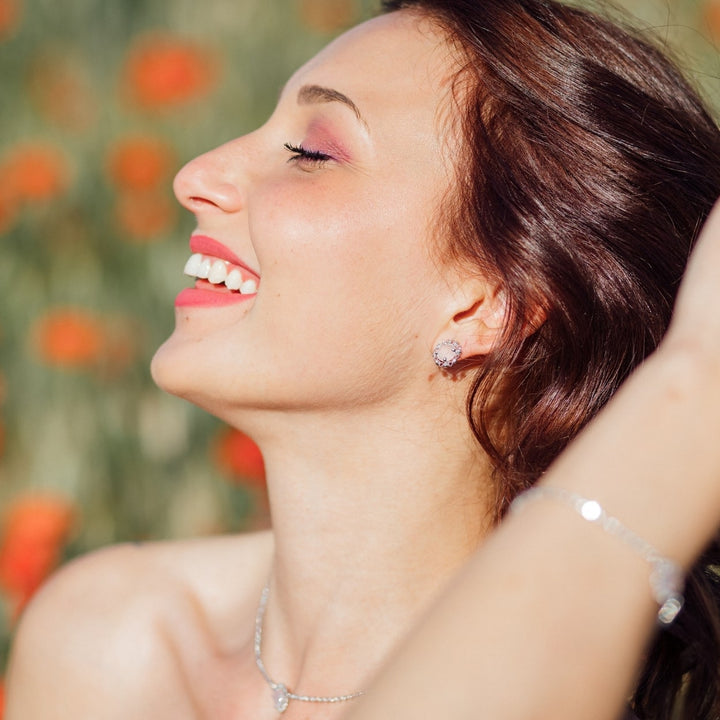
[{"x": 280, "y": 694}]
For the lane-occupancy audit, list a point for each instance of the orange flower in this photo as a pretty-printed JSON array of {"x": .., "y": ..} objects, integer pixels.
[
  {"x": 35, "y": 529},
  {"x": 163, "y": 71},
  {"x": 239, "y": 456},
  {"x": 9, "y": 17},
  {"x": 145, "y": 216},
  {"x": 69, "y": 337},
  {"x": 140, "y": 162},
  {"x": 74, "y": 338},
  {"x": 711, "y": 15},
  {"x": 328, "y": 16},
  {"x": 35, "y": 171}
]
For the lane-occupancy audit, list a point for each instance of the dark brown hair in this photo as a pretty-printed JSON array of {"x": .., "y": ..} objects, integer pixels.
[{"x": 591, "y": 165}]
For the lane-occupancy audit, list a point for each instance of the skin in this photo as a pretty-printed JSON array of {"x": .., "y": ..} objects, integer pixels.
[
  {"x": 551, "y": 602},
  {"x": 377, "y": 489},
  {"x": 547, "y": 620}
]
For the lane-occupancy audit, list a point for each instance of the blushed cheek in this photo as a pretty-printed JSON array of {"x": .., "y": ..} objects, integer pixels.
[
  {"x": 344, "y": 242},
  {"x": 313, "y": 238}
]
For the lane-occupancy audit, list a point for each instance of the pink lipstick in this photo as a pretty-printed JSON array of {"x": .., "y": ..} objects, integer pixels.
[
  {"x": 209, "y": 246},
  {"x": 241, "y": 284}
]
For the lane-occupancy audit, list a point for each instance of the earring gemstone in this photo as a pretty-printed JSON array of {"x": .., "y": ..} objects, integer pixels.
[{"x": 446, "y": 353}]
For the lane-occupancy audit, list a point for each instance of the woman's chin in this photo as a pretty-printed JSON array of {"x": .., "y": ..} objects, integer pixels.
[
  {"x": 170, "y": 372},
  {"x": 175, "y": 372}
]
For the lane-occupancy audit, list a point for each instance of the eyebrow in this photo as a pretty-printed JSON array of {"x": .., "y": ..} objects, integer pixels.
[{"x": 309, "y": 94}]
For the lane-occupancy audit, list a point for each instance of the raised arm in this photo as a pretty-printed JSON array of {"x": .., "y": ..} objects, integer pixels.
[{"x": 551, "y": 617}]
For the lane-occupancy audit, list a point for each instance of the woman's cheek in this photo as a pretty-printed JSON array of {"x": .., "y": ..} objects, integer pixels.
[{"x": 309, "y": 212}]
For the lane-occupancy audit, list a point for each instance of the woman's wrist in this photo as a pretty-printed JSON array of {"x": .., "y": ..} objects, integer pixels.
[
  {"x": 652, "y": 458},
  {"x": 666, "y": 577}
]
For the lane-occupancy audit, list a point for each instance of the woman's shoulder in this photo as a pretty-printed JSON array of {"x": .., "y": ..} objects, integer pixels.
[
  {"x": 213, "y": 577},
  {"x": 221, "y": 576},
  {"x": 117, "y": 626}
]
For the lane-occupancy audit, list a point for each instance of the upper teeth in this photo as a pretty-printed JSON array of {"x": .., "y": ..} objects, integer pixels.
[
  {"x": 234, "y": 279},
  {"x": 217, "y": 272}
]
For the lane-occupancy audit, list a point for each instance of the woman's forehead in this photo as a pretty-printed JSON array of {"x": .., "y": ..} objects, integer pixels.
[{"x": 394, "y": 65}]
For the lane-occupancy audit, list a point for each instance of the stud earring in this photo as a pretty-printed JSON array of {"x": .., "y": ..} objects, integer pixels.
[{"x": 446, "y": 353}]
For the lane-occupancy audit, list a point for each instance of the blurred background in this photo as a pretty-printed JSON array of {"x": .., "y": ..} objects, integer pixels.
[{"x": 100, "y": 104}]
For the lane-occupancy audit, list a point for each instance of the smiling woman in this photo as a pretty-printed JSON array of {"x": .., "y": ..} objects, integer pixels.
[
  {"x": 218, "y": 271},
  {"x": 461, "y": 229},
  {"x": 317, "y": 202}
]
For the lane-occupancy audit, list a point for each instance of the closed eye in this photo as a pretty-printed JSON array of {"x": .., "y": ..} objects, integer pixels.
[{"x": 303, "y": 155}]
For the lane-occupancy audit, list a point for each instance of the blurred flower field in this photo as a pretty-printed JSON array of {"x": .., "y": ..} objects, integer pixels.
[{"x": 101, "y": 103}]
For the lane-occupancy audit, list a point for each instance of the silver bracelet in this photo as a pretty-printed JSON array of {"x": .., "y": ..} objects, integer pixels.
[{"x": 666, "y": 577}]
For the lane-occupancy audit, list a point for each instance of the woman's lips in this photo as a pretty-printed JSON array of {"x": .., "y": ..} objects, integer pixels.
[
  {"x": 204, "y": 296},
  {"x": 222, "y": 278},
  {"x": 209, "y": 246}
]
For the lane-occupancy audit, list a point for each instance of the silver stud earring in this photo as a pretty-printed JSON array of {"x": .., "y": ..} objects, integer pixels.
[{"x": 446, "y": 353}]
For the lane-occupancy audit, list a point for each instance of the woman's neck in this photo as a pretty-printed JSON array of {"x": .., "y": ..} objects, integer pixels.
[{"x": 371, "y": 517}]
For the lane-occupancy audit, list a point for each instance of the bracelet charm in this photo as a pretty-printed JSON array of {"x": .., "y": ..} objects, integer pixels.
[{"x": 666, "y": 577}]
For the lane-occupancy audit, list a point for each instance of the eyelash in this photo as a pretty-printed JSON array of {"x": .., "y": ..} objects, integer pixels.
[{"x": 301, "y": 154}]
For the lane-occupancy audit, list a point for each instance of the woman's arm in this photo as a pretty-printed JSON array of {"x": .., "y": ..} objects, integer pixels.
[{"x": 550, "y": 619}]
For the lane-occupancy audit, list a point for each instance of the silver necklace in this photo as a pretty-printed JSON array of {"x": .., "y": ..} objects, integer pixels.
[{"x": 281, "y": 696}]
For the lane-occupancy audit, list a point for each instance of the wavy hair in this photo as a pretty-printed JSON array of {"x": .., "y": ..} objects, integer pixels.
[{"x": 590, "y": 167}]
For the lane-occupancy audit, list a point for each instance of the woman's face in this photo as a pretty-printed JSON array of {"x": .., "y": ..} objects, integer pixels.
[{"x": 330, "y": 208}]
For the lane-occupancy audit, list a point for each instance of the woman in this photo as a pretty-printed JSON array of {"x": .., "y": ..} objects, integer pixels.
[{"x": 510, "y": 188}]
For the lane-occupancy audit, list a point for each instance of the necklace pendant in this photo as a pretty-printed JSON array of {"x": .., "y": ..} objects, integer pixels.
[{"x": 280, "y": 697}]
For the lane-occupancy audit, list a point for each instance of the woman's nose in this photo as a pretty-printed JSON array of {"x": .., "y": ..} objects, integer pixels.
[{"x": 211, "y": 182}]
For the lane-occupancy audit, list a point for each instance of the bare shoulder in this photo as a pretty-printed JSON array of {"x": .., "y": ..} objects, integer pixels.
[
  {"x": 107, "y": 637},
  {"x": 224, "y": 575}
]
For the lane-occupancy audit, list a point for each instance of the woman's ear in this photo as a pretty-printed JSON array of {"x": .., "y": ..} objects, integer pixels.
[
  {"x": 477, "y": 315},
  {"x": 476, "y": 318}
]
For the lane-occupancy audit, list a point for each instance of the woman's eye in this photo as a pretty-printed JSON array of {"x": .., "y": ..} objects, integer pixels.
[{"x": 305, "y": 156}]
